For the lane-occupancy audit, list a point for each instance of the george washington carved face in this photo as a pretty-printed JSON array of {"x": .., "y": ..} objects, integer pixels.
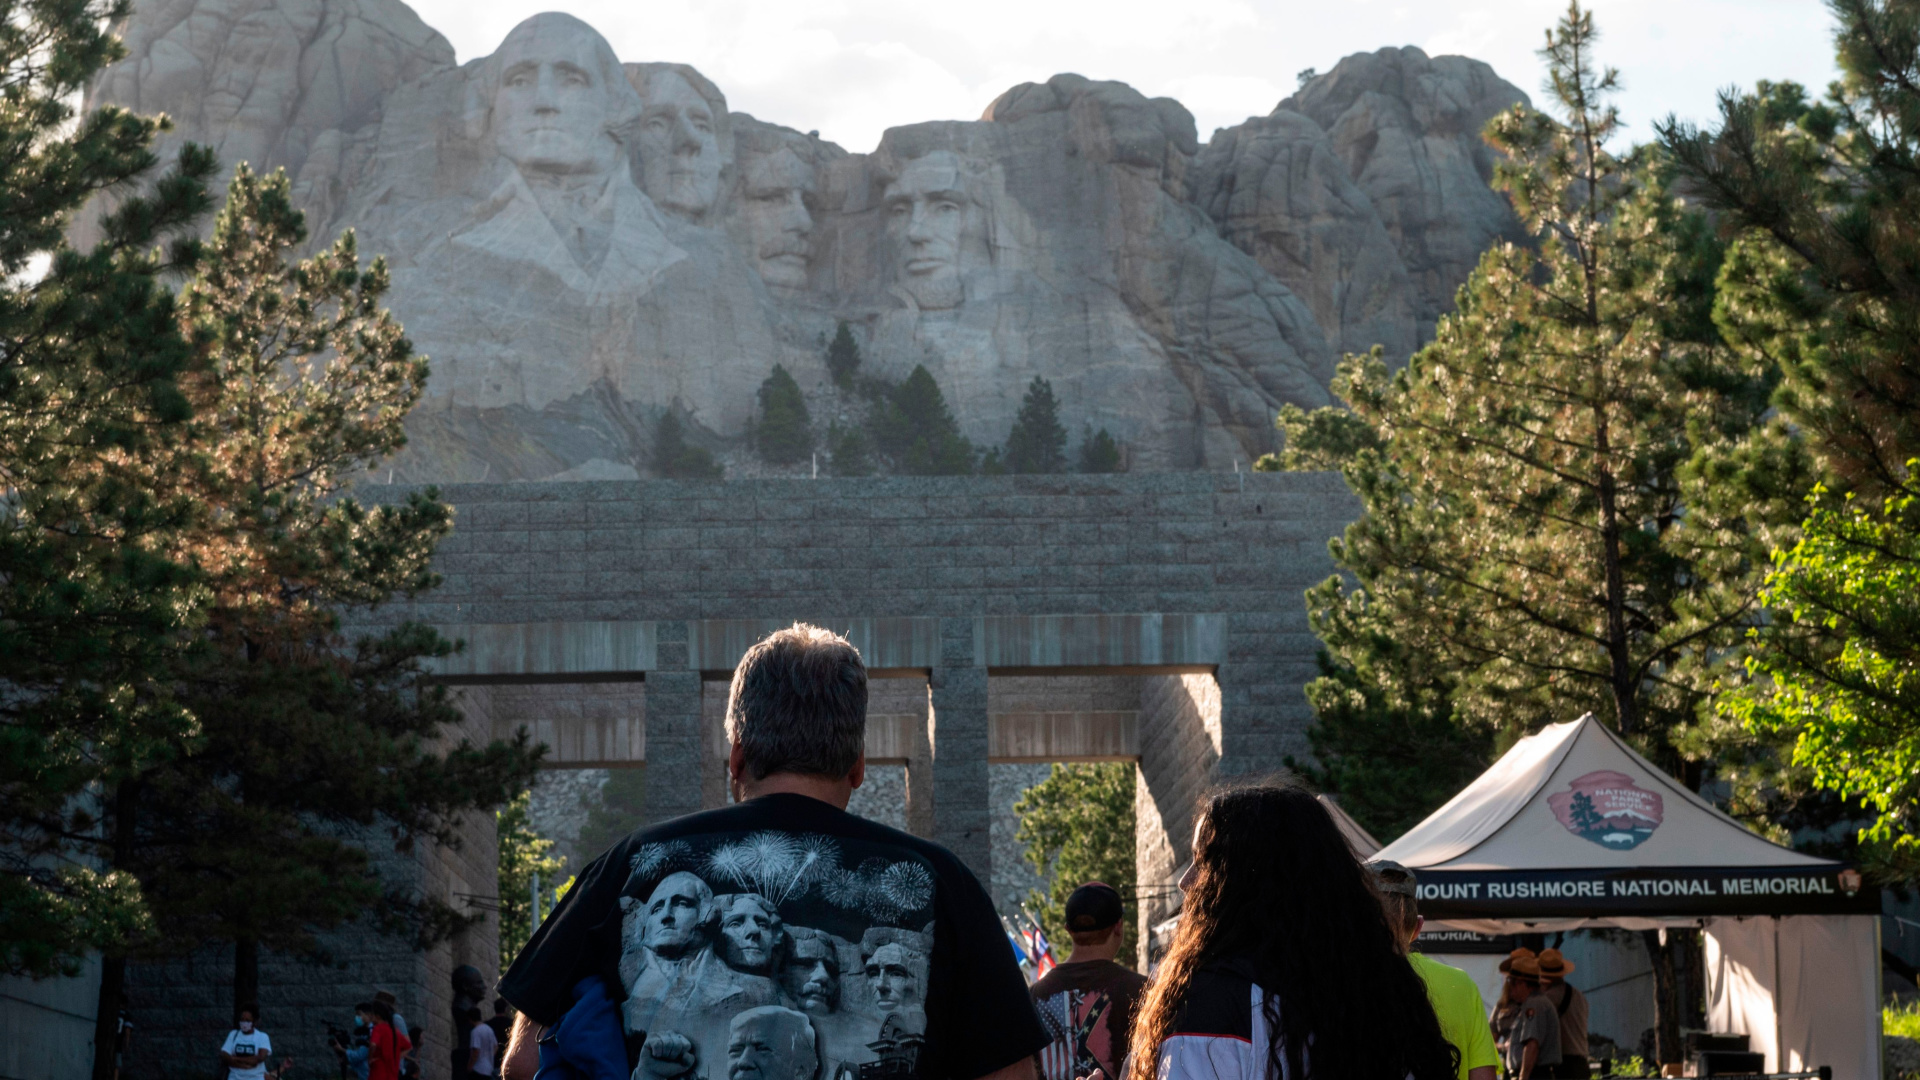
[{"x": 559, "y": 98}]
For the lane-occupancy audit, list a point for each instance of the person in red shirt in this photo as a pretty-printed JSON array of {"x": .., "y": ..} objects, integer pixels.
[{"x": 387, "y": 1043}]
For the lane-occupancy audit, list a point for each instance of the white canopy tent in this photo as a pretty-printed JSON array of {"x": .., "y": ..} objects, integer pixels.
[{"x": 1573, "y": 829}]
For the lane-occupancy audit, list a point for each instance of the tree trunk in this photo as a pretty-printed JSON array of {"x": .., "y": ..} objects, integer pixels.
[
  {"x": 106, "y": 1021},
  {"x": 246, "y": 975},
  {"x": 1667, "y": 1049},
  {"x": 113, "y": 968}
]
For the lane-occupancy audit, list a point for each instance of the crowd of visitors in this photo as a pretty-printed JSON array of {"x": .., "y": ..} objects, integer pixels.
[{"x": 782, "y": 938}]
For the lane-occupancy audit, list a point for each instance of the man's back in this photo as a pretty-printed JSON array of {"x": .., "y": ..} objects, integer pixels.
[
  {"x": 785, "y": 939},
  {"x": 1462, "y": 1013},
  {"x": 1571, "y": 1005},
  {"x": 1088, "y": 1008}
]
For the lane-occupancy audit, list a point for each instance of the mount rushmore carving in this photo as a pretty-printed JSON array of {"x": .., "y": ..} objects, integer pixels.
[{"x": 583, "y": 245}]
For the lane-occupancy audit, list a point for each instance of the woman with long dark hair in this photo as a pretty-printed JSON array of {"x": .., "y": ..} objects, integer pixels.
[{"x": 1283, "y": 967}]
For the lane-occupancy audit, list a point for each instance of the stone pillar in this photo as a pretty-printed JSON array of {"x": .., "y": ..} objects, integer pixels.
[
  {"x": 1180, "y": 746},
  {"x": 715, "y": 791},
  {"x": 957, "y": 724},
  {"x": 677, "y": 742},
  {"x": 920, "y": 773}
]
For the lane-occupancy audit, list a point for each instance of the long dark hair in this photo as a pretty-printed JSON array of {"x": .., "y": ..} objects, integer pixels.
[{"x": 1277, "y": 887}]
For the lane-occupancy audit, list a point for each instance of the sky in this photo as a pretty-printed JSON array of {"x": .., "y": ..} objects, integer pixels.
[{"x": 850, "y": 69}]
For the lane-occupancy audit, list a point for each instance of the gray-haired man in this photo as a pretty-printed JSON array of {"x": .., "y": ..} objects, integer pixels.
[{"x": 788, "y": 864}]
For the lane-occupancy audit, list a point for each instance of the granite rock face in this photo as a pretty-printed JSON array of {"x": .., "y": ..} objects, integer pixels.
[
  {"x": 583, "y": 245},
  {"x": 1408, "y": 126}
]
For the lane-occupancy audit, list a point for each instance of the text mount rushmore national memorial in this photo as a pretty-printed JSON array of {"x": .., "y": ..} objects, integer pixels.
[{"x": 585, "y": 246}]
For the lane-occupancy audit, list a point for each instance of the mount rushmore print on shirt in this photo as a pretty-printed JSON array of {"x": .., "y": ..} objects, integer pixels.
[{"x": 776, "y": 956}]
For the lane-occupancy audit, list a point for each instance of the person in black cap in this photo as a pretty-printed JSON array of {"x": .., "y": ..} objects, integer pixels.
[{"x": 1088, "y": 1002}]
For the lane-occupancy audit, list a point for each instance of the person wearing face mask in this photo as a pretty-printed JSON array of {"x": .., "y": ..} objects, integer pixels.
[
  {"x": 247, "y": 1048},
  {"x": 354, "y": 1055}
]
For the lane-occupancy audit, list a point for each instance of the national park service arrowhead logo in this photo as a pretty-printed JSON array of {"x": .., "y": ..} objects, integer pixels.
[{"x": 1607, "y": 808}]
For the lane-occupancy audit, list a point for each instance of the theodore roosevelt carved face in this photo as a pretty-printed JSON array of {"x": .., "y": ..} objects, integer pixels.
[{"x": 775, "y": 188}]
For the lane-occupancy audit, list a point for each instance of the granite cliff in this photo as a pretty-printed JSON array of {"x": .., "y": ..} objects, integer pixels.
[{"x": 583, "y": 244}]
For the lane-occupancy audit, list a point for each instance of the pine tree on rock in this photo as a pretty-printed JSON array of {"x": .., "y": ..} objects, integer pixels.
[
  {"x": 1037, "y": 443},
  {"x": 843, "y": 357},
  {"x": 94, "y": 605},
  {"x": 311, "y": 746},
  {"x": 785, "y": 433},
  {"x": 675, "y": 458},
  {"x": 848, "y": 452},
  {"x": 917, "y": 431},
  {"x": 1099, "y": 453}
]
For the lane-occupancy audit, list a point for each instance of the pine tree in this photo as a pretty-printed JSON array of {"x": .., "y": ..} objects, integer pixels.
[
  {"x": 1078, "y": 826},
  {"x": 1538, "y": 536},
  {"x": 785, "y": 433},
  {"x": 843, "y": 357},
  {"x": 917, "y": 431},
  {"x": 675, "y": 458},
  {"x": 1825, "y": 201},
  {"x": 93, "y": 607},
  {"x": 310, "y": 746},
  {"x": 1099, "y": 453},
  {"x": 848, "y": 452},
  {"x": 1037, "y": 443}
]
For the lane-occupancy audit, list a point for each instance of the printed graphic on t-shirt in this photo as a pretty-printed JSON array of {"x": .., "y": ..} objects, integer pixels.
[
  {"x": 1082, "y": 1039},
  {"x": 776, "y": 956}
]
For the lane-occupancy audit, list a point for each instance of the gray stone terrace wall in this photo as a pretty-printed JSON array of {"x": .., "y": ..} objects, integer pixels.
[{"x": 1243, "y": 545}]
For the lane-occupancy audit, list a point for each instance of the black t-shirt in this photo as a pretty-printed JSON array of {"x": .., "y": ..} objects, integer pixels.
[{"x": 789, "y": 940}]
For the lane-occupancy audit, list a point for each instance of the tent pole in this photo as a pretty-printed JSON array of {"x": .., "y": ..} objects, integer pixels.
[{"x": 1779, "y": 1032}]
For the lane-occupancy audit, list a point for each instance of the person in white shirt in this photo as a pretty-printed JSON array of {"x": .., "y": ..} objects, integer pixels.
[
  {"x": 247, "y": 1048},
  {"x": 483, "y": 1042}
]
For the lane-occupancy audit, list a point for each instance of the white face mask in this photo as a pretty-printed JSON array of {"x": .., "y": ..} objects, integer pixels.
[{"x": 246, "y": 1027}]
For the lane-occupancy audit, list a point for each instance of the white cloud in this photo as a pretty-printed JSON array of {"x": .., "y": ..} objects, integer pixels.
[{"x": 852, "y": 68}]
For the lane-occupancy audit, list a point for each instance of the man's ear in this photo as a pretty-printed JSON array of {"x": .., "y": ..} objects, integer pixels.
[
  {"x": 858, "y": 774},
  {"x": 1419, "y": 924},
  {"x": 736, "y": 761}
]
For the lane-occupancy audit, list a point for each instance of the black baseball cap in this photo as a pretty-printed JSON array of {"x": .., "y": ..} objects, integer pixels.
[{"x": 1093, "y": 906}]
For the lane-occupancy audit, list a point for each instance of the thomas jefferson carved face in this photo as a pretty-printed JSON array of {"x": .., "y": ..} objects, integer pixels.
[
  {"x": 679, "y": 150},
  {"x": 777, "y": 187},
  {"x": 750, "y": 933},
  {"x": 927, "y": 212},
  {"x": 554, "y": 105}
]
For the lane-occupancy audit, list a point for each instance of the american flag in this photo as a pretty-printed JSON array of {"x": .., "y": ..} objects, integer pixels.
[{"x": 1037, "y": 946}]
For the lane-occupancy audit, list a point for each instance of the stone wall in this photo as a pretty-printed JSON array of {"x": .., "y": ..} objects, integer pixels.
[{"x": 1182, "y": 740}]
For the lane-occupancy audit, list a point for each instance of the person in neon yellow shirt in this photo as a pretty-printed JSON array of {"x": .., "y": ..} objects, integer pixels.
[{"x": 1456, "y": 1000}]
